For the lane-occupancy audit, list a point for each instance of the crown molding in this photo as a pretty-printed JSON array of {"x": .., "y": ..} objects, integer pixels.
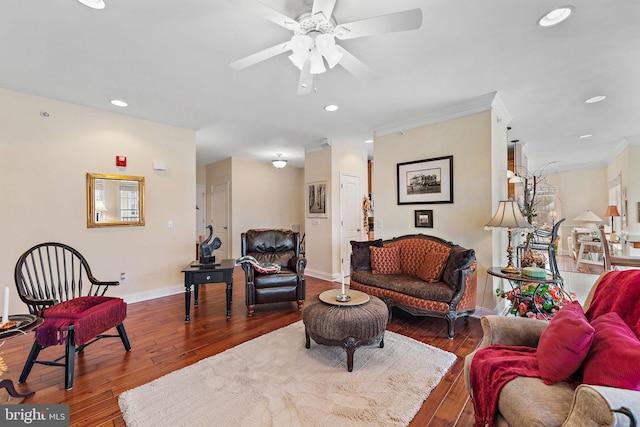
[{"x": 448, "y": 112}]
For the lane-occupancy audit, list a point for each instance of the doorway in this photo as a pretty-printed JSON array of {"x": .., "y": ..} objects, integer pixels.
[
  {"x": 350, "y": 217},
  {"x": 220, "y": 217}
]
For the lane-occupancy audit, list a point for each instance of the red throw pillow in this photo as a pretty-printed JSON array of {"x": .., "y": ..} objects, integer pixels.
[
  {"x": 614, "y": 357},
  {"x": 564, "y": 344},
  {"x": 385, "y": 260},
  {"x": 432, "y": 266}
]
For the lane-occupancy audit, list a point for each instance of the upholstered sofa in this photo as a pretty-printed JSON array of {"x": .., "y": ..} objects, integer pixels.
[
  {"x": 420, "y": 274},
  {"x": 575, "y": 402}
]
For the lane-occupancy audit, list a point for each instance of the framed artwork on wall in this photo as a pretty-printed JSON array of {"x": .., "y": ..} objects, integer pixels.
[
  {"x": 317, "y": 199},
  {"x": 423, "y": 218},
  {"x": 426, "y": 181}
]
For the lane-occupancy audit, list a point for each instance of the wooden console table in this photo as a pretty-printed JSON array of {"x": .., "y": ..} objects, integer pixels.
[{"x": 196, "y": 275}]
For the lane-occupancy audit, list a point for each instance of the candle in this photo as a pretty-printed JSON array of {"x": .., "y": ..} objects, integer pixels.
[
  {"x": 341, "y": 274},
  {"x": 5, "y": 309}
]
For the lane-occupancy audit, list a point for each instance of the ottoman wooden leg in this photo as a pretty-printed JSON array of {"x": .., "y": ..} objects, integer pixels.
[
  {"x": 306, "y": 336},
  {"x": 350, "y": 352}
]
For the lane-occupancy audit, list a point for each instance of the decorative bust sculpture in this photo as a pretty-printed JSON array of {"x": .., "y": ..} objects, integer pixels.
[{"x": 206, "y": 248}]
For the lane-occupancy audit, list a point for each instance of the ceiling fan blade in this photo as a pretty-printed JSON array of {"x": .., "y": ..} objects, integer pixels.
[
  {"x": 305, "y": 84},
  {"x": 264, "y": 11},
  {"x": 260, "y": 56},
  {"x": 393, "y": 22},
  {"x": 322, "y": 9},
  {"x": 357, "y": 67}
]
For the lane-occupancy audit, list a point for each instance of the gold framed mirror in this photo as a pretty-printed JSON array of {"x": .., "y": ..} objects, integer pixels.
[{"x": 114, "y": 200}]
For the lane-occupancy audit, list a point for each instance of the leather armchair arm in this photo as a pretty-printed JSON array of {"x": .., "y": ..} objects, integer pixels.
[
  {"x": 595, "y": 405},
  {"x": 298, "y": 264}
]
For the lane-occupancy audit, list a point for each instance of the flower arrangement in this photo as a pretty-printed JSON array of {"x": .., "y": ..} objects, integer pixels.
[{"x": 537, "y": 301}]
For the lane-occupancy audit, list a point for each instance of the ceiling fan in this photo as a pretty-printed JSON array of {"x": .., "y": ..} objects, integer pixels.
[{"x": 313, "y": 42}]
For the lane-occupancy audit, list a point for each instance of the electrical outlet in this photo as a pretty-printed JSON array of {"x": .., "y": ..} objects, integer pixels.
[
  {"x": 123, "y": 276},
  {"x": 170, "y": 224}
]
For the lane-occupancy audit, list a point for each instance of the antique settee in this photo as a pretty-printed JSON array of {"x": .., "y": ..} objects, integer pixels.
[
  {"x": 420, "y": 274},
  {"x": 593, "y": 395}
]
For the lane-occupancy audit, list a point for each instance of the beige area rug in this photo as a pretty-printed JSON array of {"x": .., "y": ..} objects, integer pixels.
[{"x": 275, "y": 381}]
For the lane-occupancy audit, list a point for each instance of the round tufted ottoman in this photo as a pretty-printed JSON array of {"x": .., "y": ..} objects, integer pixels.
[{"x": 348, "y": 326}]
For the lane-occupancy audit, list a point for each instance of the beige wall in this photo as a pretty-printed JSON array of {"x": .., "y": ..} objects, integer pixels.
[
  {"x": 319, "y": 240},
  {"x": 44, "y": 162},
  {"x": 260, "y": 196},
  {"x": 469, "y": 140}
]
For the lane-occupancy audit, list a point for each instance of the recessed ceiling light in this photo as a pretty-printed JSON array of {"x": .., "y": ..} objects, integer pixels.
[
  {"x": 556, "y": 16},
  {"x": 93, "y": 4},
  {"x": 118, "y": 103},
  {"x": 595, "y": 99},
  {"x": 331, "y": 107},
  {"x": 587, "y": 135},
  {"x": 368, "y": 141}
]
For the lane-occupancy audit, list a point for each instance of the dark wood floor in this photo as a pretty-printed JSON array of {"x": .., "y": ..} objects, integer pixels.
[{"x": 163, "y": 343}]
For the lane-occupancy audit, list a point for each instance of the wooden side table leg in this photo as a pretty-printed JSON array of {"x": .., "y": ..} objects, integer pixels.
[{"x": 8, "y": 384}]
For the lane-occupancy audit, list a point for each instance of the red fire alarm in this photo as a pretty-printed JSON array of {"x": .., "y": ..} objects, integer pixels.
[{"x": 121, "y": 161}]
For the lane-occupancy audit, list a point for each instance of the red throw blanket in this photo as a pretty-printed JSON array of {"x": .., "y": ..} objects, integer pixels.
[
  {"x": 491, "y": 368},
  {"x": 618, "y": 291}
]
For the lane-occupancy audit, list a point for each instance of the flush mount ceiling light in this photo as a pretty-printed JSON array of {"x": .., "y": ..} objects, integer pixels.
[
  {"x": 595, "y": 99},
  {"x": 331, "y": 107},
  {"x": 118, "y": 103},
  {"x": 587, "y": 135},
  {"x": 279, "y": 163},
  {"x": 368, "y": 141},
  {"x": 93, "y": 4},
  {"x": 556, "y": 16}
]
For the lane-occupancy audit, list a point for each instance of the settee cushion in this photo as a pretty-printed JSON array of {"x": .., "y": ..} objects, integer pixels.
[
  {"x": 459, "y": 259},
  {"x": 564, "y": 344},
  {"x": 432, "y": 266},
  {"x": 385, "y": 260},
  {"x": 614, "y": 356},
  {"x": 361, "y": 259},
  {"x": 405, "y": 284}
]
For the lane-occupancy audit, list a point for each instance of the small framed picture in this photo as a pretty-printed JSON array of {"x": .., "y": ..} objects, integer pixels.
[{"x": 424, "y": 218}]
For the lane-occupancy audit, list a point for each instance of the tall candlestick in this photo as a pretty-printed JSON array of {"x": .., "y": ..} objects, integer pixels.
[
  {"x": 5, "y": 309},
  {"x": 341, "y": 274}
]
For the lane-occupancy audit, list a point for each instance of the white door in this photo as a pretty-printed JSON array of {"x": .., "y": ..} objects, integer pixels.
[
  {"x": 201, "y": 211},
  {"x": 220, "y": 218},
  {"x": 351, "y": 217}
]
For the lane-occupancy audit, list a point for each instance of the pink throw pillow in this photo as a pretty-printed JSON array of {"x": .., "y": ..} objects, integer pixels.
[
  {"x": 432, "y": 267},
  {"x": 385, "y": 260},
  {"x": 614, "y": 358},
  {"x": 564, "y": 344}
]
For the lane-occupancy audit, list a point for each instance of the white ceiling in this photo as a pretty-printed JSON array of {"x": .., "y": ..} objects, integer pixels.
[{"x": 169, "y": 61}]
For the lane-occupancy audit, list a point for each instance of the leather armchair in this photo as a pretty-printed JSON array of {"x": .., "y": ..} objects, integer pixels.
[{"x": 274, "y": 246}]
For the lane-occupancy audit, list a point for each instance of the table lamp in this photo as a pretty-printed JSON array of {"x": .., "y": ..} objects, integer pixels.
[
  {"x": 553, "y": 215},
  {"x": 612, "y": 210},
  {"x": 509, "y": 216},
  {"x": 589, "y": 218}
]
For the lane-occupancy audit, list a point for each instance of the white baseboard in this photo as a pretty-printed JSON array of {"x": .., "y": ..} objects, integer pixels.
[
  {"x": 156, "y": 293},
  {"x": 321, "y": 275}
]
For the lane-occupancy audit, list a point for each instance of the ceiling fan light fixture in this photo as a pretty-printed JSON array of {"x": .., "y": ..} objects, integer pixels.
[
  {"x": 317, "y": 64},
  {"x": 279, "y": 163},
  {"x": 93, "y": 4}
]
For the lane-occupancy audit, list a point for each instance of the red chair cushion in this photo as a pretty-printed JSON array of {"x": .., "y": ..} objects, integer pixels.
[{"x": 90, "y": 315}]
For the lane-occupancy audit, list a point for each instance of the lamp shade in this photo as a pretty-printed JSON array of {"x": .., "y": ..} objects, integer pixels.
[
  {"x": 508, "y": 215},
  {"x": 588, "y": 216},
  {"x": 552, "y": 214},
  {"x": 100, "y": 206},
  {"x": 612, "y": 210}
]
